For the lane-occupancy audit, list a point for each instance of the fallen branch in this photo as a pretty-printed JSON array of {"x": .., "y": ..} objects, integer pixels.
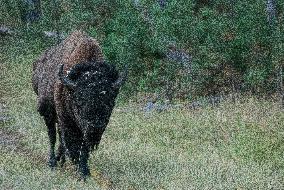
[{"x": 51, "y": 34}]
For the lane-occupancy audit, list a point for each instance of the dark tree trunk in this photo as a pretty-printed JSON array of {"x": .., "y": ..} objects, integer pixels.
[
  {"x": 271, "y": 12},
  {"x": 56, "y": 18},
  {"x": 272, "y": 20}
]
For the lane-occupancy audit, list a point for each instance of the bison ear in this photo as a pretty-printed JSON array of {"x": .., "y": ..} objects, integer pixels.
[
  {"x": 121, "y": 79},
  {"x": 65, "y": 79}
]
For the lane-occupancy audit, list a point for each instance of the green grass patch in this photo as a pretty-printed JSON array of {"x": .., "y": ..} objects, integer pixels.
[{"x": 233, "y": 146}]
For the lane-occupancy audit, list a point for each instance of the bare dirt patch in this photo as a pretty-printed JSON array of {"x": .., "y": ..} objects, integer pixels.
[{"x": 10, "y": 140}]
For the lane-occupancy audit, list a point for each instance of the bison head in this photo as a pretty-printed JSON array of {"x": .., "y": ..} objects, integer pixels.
[{"x": 93, "y": 88}]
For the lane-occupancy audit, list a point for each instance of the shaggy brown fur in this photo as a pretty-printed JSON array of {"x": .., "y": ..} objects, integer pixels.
[
  {"x": 57, "y": 103},
  {"x": 76, "y": 48}
]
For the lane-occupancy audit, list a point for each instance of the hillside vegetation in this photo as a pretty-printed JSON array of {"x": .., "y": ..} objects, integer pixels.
[{"x": 179, "y": 48}]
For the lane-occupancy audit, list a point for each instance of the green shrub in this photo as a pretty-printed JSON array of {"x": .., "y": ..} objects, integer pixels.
[{"x": 229, "y": 42}]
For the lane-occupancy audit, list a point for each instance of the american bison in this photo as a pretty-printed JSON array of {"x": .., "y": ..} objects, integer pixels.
[{"x": 76, "y": 90}]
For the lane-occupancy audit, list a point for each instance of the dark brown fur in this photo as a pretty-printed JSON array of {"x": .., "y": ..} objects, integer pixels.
[{"x": 54, "y": 99}]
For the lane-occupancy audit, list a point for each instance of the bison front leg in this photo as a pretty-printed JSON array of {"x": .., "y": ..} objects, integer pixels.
[
  {"x": 61, "y": 149},
  {"x": 83, "y": 161}
]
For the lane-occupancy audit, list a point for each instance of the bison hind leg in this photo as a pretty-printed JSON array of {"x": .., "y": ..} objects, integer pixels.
[{"x": 47, "y": 111}]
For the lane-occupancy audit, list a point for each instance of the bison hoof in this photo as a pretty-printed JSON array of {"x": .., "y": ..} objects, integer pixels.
[
  {"x": 62, "y": 162},
  {"x": 52, "y": 163},
  {"x": 85, "y": 173},
  {"x": 61, "y": 159}
]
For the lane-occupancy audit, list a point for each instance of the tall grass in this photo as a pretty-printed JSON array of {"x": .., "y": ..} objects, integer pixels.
[{"x": 233, "y": 146}]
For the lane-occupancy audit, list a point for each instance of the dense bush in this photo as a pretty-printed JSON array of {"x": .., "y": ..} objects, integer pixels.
[{"x": 231, "y": 44}]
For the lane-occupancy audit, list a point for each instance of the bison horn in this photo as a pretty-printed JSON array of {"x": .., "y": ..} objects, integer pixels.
[
  {"x": 121, "y": 79},
  {"x": 64, "y": 79}
]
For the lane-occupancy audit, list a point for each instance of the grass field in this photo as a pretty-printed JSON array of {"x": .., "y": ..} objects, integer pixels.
[{"x": 233, "y": 146}]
